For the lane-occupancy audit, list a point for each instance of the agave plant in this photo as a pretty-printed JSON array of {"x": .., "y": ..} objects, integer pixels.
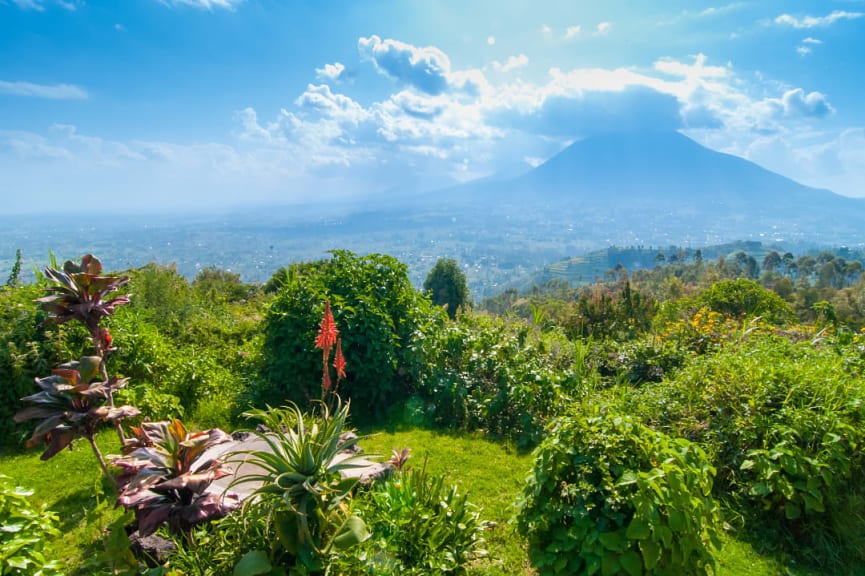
[
  {"x": 69, "y": 406},
  {"x": 299, "y": 481},
  {"x": 166, "y": 473}
]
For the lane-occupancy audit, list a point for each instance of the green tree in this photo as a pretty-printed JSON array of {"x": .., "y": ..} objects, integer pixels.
[
  {"x": 381, "y": 318},
  {"x": 446, "y": 285},
  {"x": 15, "y": 275},
  {"x": 743, "y": 297}
]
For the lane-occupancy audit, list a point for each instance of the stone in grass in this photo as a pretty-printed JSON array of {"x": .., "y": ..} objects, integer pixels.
[{"x": 152, "y": 550}]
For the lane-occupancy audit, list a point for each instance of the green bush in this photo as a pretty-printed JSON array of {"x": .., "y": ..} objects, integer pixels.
[
  {"x": 28, "y": 348},
  {"x": 24, "y": 529},
  {"x": 420, "y": 525},
  {"x": 783, "y": 423},
  {"x": 743, "y": 297},
  {"x": 382, "y": 321},
  {"x": 498, "y": 376},
  {"x": 610, "y": 495}
]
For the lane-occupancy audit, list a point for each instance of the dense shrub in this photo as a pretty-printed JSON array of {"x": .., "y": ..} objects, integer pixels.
[
  {"x": 24, "y": 529},
  {"x": 610, "y": 495},
  {"x": 783, "y": 422},
  {"x": 743, "y": 297},
  {"x": 28, "y": 348},
  {"x": 637, "y": 361},
  {"x": 499, "y": 376},
  {"x": 382, "y": 321}
]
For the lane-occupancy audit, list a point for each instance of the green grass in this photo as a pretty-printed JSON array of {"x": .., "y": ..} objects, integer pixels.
[
  {"x": 72, "y": 485},
  {"x": 491, "y": 472}
]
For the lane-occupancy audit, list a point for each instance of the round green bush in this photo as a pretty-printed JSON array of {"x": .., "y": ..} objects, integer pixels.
[
  {"x": 609, "y": 495},
  {"x": 382, "y": 321}
]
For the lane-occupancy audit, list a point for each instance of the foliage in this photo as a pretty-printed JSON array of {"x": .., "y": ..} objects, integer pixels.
[
  {"x": 24, "y": 529},
  {"x": 498, "y": 376},
  {"x": 216, "y": 284},
  {"x": 635, "y": 362},
  {"x": 70, "y": 406},
  {"x": 165, "y": 476},
  {"x": 302, "y": 492},
  {"x": 420, "y": 525},
  {"x": 382, "y": 321},
  {"x": 446, "y": 286},
  {"x": 743, "y": 297},
  {"x": 609, "y": 495},
  {"x": 783, "y": 422},
  {"x": 28, "y": 348},
  {"x": 15, "y": 275}
]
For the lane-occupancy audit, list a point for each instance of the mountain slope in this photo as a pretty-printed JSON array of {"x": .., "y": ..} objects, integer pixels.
[{"x": 662, "y": 186}]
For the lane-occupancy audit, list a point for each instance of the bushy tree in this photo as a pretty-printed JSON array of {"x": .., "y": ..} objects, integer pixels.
[
  {"x": 382, "y": 320},
  {"x": 743, "y": 297},
  {"x": 446, "y": 285}
]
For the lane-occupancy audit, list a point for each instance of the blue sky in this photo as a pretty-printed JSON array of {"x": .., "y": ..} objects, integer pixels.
[{"x": 189, "y": 103}]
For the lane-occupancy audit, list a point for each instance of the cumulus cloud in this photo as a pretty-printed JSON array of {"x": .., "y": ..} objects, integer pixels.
[
  {"x": 817, "y": 21},
  {"x": 322, "y": 100},
  {"x": 512, "y": 63},
  {"x": 48, "y": 91},
  {"x": 813, "y": 104},
  {"x": 331, "y": 72},
  {"x": 572, "y": 32},
  {"x": 803, "y": 50},
  {"x": 810, "y": 40},
  {"x": 425, "y": 68},
  {"x": 204, "y": 4}
]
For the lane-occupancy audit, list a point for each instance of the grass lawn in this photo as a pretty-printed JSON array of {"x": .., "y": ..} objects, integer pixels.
[{"x": 491, "y": 472}]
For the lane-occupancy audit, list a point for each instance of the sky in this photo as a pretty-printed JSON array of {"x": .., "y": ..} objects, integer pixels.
[{"x": 175, "y": 104}]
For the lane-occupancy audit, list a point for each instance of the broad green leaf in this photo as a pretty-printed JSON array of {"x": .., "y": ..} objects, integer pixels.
[
  {"x": 632, "y": 563},
  {"x": 638, "y": 529},
  {"x": 792, "y": 511},
  {"x": 253, "y": 563}
]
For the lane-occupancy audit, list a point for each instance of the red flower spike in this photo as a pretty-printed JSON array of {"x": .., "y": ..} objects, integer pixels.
[
  {"x": 339, "y": 361},
  {"x": 327, "y": 333}
]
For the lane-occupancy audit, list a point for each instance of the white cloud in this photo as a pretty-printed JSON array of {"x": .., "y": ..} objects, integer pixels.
[
  {"x": 546, "y": 30},
  {"x": 810, "y": 40},
  {"x": 320, "y": 99},
  {"x": 425, "y": 68},
  {"x": 333, "y": 72},
  {"x": 204, "y": 4},
  {"x": 52, "y": 91},
  {"x": 603, "y": 29},
  {"x": 572, "y": 32},
  {"x": 491, "y": 40},
  {"x": 512, "y": 63},
  {"x": 817, "y": 21},
  {"x": 30, "y": 4},
  {"x": 716, "y": 11},
  {"x": 803, "y": 50},
  {"x": 796, "y": 103},
  {"x": 696, "y": 70}
]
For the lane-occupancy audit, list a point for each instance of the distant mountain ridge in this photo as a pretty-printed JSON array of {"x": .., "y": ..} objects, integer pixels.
[{"x": 644, "y": 181}]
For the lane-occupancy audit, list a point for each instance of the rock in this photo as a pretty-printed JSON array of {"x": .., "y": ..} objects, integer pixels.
[
  {"x": 153, "y": 550},
  {"x": 240, "y": 435},
  {"x": 347, "y": 437}
]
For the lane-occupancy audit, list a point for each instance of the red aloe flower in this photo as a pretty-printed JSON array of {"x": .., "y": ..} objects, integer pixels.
[
  {"x": 339, "y": 361},
  {"x": 327, "y": 333}
]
